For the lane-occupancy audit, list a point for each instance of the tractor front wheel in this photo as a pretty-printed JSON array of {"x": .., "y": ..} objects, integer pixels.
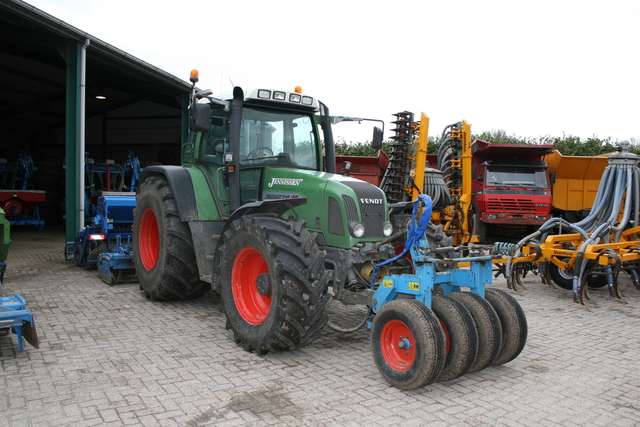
[
  {"x": 273, "y": 283},
  {"x": 408, "y": 345},
  {"x": 164, "y": 256}
]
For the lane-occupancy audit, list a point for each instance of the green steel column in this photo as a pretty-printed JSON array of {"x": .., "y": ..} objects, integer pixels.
[{"x": 72, "y": 144}]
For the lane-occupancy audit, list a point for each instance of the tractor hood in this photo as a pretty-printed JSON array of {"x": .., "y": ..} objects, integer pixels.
[{"x": 335, "y": 203}]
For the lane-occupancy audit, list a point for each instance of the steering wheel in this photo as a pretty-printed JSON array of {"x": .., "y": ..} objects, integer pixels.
[{"x": 260, "y": 152}]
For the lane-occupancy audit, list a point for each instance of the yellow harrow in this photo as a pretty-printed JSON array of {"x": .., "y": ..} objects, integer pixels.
[{"x": 591, "y": 252}]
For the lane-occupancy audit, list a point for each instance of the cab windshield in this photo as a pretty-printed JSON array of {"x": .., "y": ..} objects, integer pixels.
[
  {"x": 511, "y": 176},
  {"x": 270, "y": 138}
]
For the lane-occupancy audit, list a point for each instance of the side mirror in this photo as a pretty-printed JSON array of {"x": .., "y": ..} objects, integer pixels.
[
  {"x": 346, "y": 168},
  {"x": 199, "y": 117},
  {"x": 376, "y": 142}
]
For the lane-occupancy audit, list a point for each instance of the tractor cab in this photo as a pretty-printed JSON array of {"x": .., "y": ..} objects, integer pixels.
[{"x": 273, "y": 129}]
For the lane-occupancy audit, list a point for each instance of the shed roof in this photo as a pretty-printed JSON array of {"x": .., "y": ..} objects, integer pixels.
[{"x": 33, "y": 73}]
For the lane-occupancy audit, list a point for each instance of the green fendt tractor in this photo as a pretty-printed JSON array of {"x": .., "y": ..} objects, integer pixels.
[{"x": 257, "y": 213}]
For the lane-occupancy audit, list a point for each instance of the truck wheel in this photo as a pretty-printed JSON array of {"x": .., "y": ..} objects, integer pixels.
[
  {"x": 407, "y": 344},
  {"x": 461, "y": 338},
  {"x": 480, "y": 228},
  {"x": 487, "y": 325},
  {"x": 163, "y": 248},
  {"x": 513, "y": 323},
  {"x": 273, "y": 283}
]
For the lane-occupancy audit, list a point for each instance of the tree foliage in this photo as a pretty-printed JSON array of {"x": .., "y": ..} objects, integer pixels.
[{"x": 568, "y": 145}]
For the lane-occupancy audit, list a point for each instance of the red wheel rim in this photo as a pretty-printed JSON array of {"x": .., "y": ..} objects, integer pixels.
[
  {"x": 447, "y": 339},
  {"x": 394, "y": 338},
  {"x": 252, "y": 306},
  {"x": 149, "y": 239}
]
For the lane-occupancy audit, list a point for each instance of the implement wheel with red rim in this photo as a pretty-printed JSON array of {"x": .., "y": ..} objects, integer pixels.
[
  {"x": 273, "y": 283},
  {"x": 408, "y": 345},
  {"x": 162, "y": 244},
  {"x": 460, "y": 334}
]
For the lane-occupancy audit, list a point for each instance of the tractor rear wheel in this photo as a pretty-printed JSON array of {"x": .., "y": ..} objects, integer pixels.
[
  {"x": 487, "y": 325},
  {"x": 461, "y": 337},
  {"x": 273, "y": 283},
  {"x": 163, "y": 247},
  {"x": 407, "y": 343},
  {"x": 513, "y": 322}
]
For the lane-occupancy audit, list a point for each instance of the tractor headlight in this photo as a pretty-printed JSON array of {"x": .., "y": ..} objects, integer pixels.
[
  {"x": 294, "y": 97},
  {"x": 357, "y": 229},
  {"x": 387, "y": 229},
  {"x": 265, "y": 94}
]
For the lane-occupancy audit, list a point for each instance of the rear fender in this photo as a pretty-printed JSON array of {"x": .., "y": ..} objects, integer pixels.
[{"x": 180, "y": 181}]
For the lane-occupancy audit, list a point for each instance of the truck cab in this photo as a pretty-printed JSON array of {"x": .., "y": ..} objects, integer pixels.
[{"x": 511, "y": 189}]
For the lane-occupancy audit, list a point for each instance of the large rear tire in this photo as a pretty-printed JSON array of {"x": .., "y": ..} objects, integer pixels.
[
  {"x": 461, "y": 337},
  {"x": 273, "y": 283},
  {"x": 163, "y": 247},
  {"x": 407, "y": 343},
  {"x": 513, "y": 322}
]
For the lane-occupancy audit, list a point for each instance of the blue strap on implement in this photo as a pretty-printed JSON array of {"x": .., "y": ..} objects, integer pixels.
[{"x": 416, "y": 231}]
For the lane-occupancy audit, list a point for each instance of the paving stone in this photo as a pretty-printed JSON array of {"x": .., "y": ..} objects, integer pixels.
[{"x": 108, "y": 356}]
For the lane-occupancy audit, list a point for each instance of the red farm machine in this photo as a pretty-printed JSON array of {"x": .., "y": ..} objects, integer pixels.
[{"x": 18, "y": 198}]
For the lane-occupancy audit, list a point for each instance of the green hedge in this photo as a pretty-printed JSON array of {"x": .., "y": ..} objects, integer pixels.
[{"x": 568, "y": 145}]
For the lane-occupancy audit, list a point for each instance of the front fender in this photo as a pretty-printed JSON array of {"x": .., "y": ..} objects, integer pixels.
[{"x": 277, "y": 207}]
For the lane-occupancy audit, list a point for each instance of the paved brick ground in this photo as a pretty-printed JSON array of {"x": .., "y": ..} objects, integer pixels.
[{"x": 110, "y": 357}]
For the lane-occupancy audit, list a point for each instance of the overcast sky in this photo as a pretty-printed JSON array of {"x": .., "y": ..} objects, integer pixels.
[{"x": 545, "y": 67}]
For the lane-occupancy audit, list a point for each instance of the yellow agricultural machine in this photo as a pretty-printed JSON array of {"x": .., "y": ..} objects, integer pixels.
[
  {"x": 593, "y": 251},
  {"x": 585, "y": 209}
]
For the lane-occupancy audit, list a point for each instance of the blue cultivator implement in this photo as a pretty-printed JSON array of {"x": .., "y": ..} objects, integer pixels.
[
  {"x": 105, "y": 244},
  {"x": 14, "y": 315},
  {"x": 440, "y": 322}
]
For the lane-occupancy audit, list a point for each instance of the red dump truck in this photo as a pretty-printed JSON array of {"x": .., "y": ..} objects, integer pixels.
[{"x": 510, "y": 187}]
